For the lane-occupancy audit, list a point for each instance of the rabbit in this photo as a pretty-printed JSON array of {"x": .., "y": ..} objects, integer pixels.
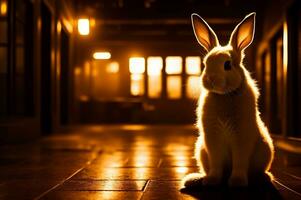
[{"x": 233, "y": 145}]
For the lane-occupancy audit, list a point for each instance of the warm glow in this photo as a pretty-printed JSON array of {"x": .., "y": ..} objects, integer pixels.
[
  {"x": 137, "y": 84},
  {"x": 173, "y": 65},
  {"x": 3, "y": 8},
  {"x": 137, "y": 65},
  {"x": 59, "y": 26},
  {"x": 285, "y": 48},
  {"x": 77, "y": 71},
  {"x": 154, "y": 66},
  {"x": 193, "y": 65},
  {"x": 102, "y": 55},
  {"x": 68, "y": 25},
  {"x": 174, "y": 87},
  {"x": 154, "y": 86},
  {"x": 112, "y": 67},
  {"x": 154, "y": 71},
  {"x": 94, "y": 72},
  {"x": 84, "y": 98},
  {"x": 181, "y": 170},
  {"x": 87, "y": 68},
  {"x": 92, "y": 22},
  {"x": 193, "y": 87},
  {"x": 83, "y": 26}
]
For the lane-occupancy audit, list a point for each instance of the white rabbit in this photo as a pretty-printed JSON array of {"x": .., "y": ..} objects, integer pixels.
[{"x": 233, "y": 143}]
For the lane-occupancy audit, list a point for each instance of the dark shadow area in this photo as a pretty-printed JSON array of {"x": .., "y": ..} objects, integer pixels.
[
  {"x": 262, "y": 191},
  {"x": 46, "y": 94}
]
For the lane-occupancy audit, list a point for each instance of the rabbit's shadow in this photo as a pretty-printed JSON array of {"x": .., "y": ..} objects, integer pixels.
[{"x": 258, "y": 192}]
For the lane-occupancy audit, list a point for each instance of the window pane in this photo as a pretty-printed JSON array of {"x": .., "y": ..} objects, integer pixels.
[
  {"x": 174, "y": 87},
  {"x": 3, "y": 80},
  {"x": 137, "y": 84},
  {"x": 112, "y": 67},
  {"x": 105, "y": 80},
  {"x": 3, "y": 32},
  {"x": 154, "y": 86},
  {"x": 19, "y": 33},
  {"x": 3, "y": 60},
  {"x": 193, "y": 87},
  {"x": 154, "y": 66},
  {"x": 20, "y": 10},
  {"x": 193, "y": 65},
  {"x": 267, "y": 78},
  {"x": 20, "y": 60},
  {"x": 154, "y": 71},
  {"x": 137, "y": 65},
  {"x": 173, "y": 65}
]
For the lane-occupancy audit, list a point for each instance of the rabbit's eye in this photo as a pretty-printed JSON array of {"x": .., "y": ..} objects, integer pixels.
[{"x": 227, "y": 65}]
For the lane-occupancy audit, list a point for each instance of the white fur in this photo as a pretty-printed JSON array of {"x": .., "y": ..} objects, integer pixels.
[{"x": 233, "y": 142}]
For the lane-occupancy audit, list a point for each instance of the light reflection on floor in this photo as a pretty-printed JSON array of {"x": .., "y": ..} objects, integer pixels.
[{"x": 98, "y": 162}]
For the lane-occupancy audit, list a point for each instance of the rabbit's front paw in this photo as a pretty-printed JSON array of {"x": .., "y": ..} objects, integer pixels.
[
  {"x": 211, "y": 180},
  {"x": 192, "y": 180},
  {"x": 238, "y": 181}
]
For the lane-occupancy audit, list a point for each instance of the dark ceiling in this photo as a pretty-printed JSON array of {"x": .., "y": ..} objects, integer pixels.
[
  {"x": 161, "y": 20},
  {"x": 158, "y": 9}
]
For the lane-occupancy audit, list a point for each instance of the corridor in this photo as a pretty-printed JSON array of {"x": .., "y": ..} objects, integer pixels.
[
  {"x": 125, "y": 162},
  {"x": 98, "y": 98}
]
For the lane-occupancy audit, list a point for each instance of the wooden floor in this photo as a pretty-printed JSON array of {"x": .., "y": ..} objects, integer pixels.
[{"x": 124, "y": 162}]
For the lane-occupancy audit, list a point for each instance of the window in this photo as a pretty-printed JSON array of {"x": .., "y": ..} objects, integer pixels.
[
  {"x": 193, "y": 71},
  {"x": 173, "y": 65},
  {"x": 137, "y": 65},
  {"x": 174, "y": 87},
  {"x": 112, "y": 67},
  {"x": 267, "y": 84},
  {"x": 3, "y": 58},
  {"x": 137, "y": 69},
  {"x": 193, "y": 87},
  {"x": 193, "y": 65},
  {"x": 152, "y": 69},
  {"x": 137, "y": 84},
  {"x": 173, "y": 70},
  {"x": 154, "y": 74},
  {"x": 105, "y": 79},
  {"x": 279, "y": 84}
]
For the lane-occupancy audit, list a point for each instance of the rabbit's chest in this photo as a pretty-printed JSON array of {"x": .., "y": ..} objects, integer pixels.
[
  {"x": 221, "y": 111},
  {"x": 226, "y": 127},
  {"x": 221, "y": 117}
]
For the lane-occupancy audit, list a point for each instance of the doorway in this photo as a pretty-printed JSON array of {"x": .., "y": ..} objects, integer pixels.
[
  {"x": 64, "y": 78},
  {"x": 46, "y": 102}
]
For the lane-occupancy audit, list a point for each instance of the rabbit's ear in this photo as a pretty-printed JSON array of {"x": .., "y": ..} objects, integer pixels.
[
  {"x": 203, "y": 32},
  {"x": 243, "y": 34}
]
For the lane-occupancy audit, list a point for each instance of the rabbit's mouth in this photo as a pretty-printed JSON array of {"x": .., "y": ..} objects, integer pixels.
[{"x": 218, "y": 87}]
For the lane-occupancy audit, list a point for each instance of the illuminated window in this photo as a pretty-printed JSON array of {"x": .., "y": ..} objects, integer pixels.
[
  {"x": 193, "y": 65},
  {"x": 83, "y": 26},
  {"x": 193, "y": 70},
  {"x": 77, "y": 71},
  {"x": 174, "y": 87},
  {"x": 112, "y": 67},
  {"x": 154, "y": 86},
  {"x": 87, "y": 68},
  {"x": 154, "y": 66},
  {"x": 154, "y": 71},
  {"x": 173, "y": 65},
  {"x": 193, "y": 87},
  {"x": 137, "y": 65},
  {"x": 137, "y": 84},
  {"x": 137, "y": 69}
]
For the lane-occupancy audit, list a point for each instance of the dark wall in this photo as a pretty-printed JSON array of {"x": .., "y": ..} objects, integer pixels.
[{"x": 33, "y": 63}]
